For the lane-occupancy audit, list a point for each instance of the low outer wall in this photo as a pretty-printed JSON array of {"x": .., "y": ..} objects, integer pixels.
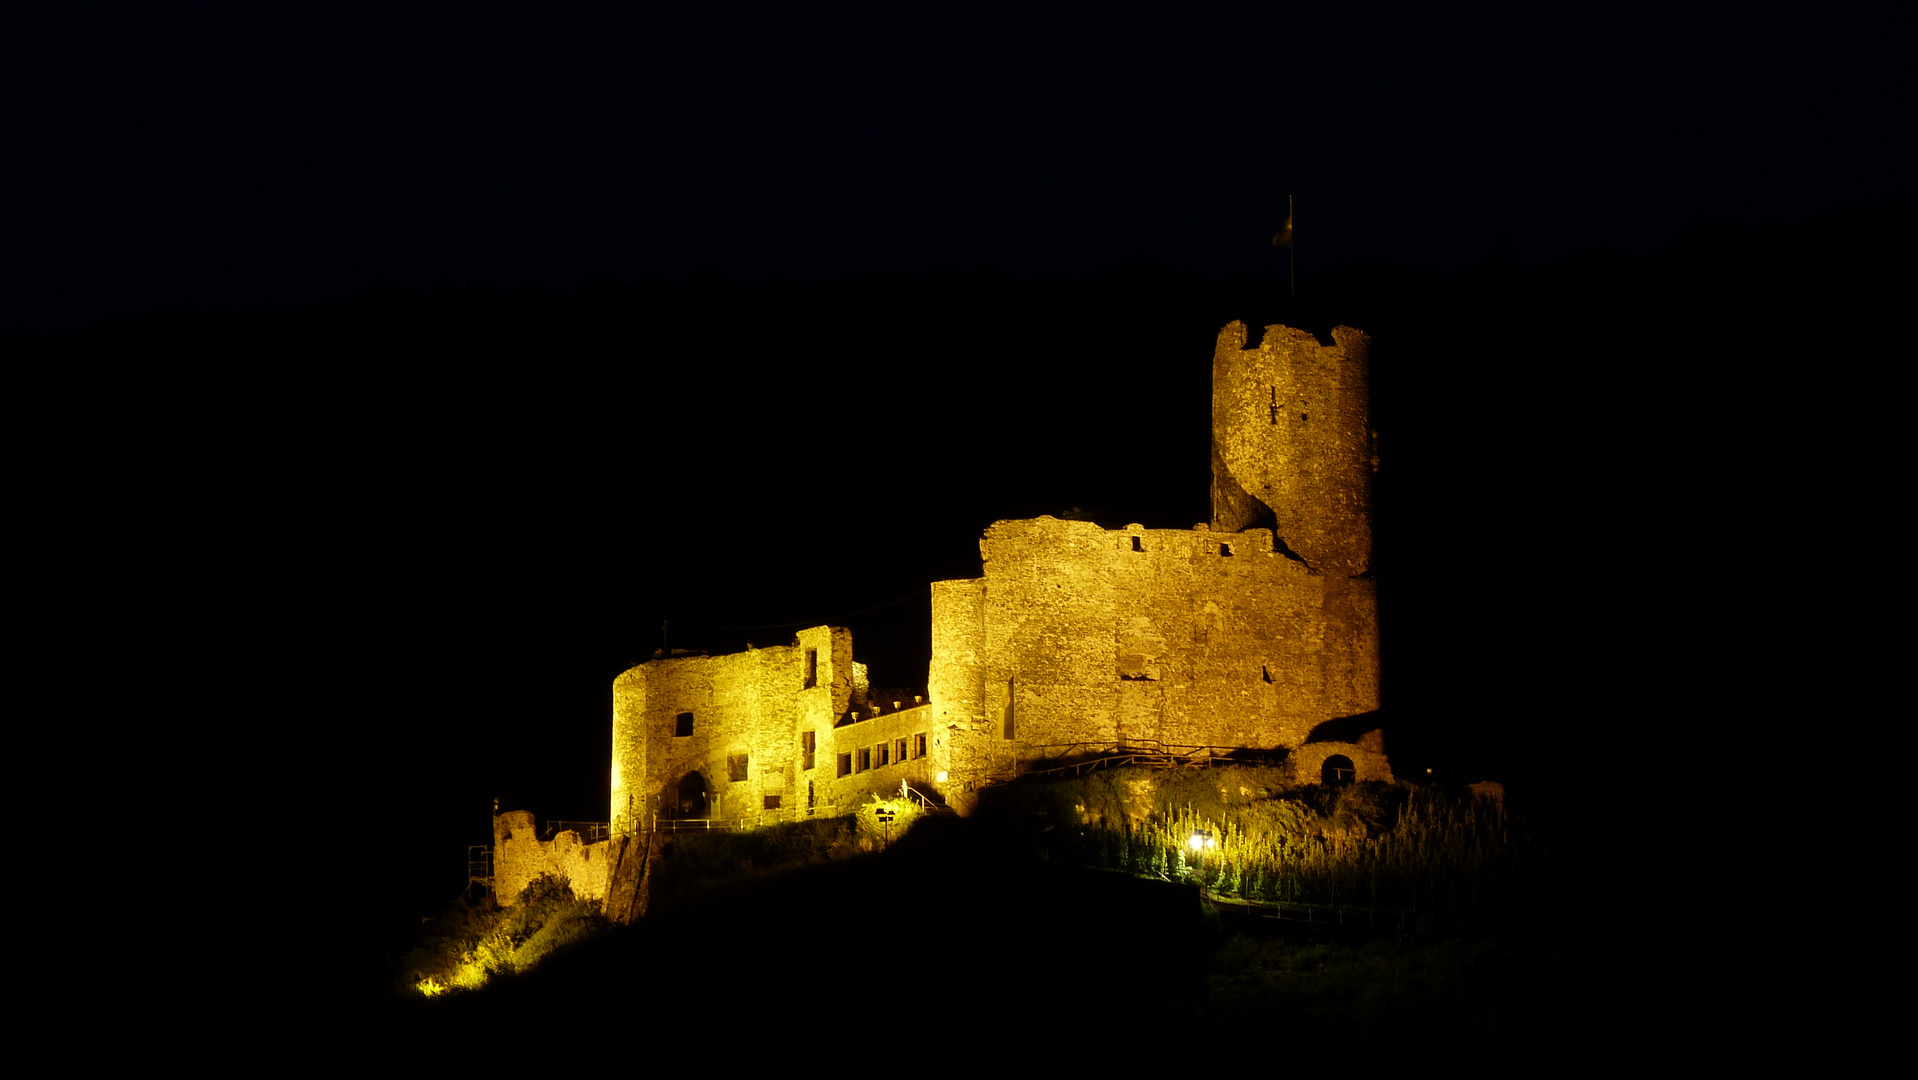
[{"x": 1308, "y": 761}]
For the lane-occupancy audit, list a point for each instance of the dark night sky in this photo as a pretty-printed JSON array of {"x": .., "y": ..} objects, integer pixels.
[
  {"x": 391, "y": 371},
  {"x": 215, "y": 154}
]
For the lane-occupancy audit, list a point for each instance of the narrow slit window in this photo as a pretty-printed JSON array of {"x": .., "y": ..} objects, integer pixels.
[
  {"x": 808, "y": 742},
  {"x": 682, "y": 725},
  {"x": 1137, "y": 544},
  {"x": 812, "y": 669}
]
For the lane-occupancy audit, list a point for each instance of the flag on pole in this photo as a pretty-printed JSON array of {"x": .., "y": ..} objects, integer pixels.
[{"x": 1284, "y": 238}]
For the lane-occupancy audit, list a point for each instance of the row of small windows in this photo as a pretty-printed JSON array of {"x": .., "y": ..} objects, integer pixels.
[
  {"x": 738, "y": 766},
  {"x": 867, "y": 758},
  {"x": 1138, "y": 544}
]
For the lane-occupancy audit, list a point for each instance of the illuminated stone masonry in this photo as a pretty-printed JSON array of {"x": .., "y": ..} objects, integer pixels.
[
  {"x": 762, "y": 736},
  {"x": 1257, "y": 630}
]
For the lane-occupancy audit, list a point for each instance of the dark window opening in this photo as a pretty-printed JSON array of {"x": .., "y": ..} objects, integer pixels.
[
  {"x": 812, "y": 669},
  {"x": 1303, "y": 418},
  {"x": 772, "y": 802},
  {"x": 883, "y": 757},
  {"x": 806, "y": 745},
  {"x": 1011, "y": 698},
  {"x": 812, "y": 798},
  {"x": 920, "y": 745},
  {"x": 1337, "y": 770},
  {"x": 1225, "y": 549},
  {"x": 865, "y": 759},
  {"x": 845, "y": 764},
  {"x": 899, "y": 750},
  {"x": 682, "y": 725},
  {"x": 1265, "y": 673},
  {"x": 1136, "y": 545},
  {"x": 735, "y": 767},
  {"x": 692, "y": 796}
]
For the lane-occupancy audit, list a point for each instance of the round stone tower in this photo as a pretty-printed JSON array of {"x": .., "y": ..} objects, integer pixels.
[{"x": 1292, "y": 444}]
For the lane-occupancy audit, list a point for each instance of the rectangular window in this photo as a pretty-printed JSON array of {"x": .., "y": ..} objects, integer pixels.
[
  {"x": 736, "y": 767},
  {"x": 845, "y": 764},
  {"x": 812, "y": 669},
  {"x": 682, "y": 725},
  {"x": 806, "y": 749},
  {"x": 919, "y": 745},
  {"x": 772, "y": 802},
  {"x": 882, "y": 755},
  {"x": 1012, "y": 695},
  {"x": 899, "y": 750},
  {"x": 865, "y": 759}
]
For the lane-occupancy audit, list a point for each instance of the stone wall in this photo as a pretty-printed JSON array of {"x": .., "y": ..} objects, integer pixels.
[
  {"x": 1292, "y": 445},
  {"x": 1367, "y": 756},
  {"x": 725, "y": 736},
  {"x": 519, "y": 856},
  {"x": 1078, "y": 633},
  {"x": 898, "y": 746}
]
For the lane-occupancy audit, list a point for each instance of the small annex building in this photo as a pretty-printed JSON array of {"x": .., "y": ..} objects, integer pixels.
[{"x": 1256, "y": 631}]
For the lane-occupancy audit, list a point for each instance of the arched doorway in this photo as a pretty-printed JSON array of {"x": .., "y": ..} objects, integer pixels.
[
  {"x": 1337, "y": 770},
  {"x": 693, "y": 801}
]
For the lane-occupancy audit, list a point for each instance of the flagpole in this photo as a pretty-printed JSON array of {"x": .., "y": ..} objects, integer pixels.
[{"x": 1284, "y": 240}]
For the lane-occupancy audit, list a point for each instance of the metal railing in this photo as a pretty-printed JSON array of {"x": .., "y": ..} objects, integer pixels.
[{"x": 589, "y": 831}]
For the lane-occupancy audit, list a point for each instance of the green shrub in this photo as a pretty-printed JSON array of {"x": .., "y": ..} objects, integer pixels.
[{"x": 465, "y": 947}]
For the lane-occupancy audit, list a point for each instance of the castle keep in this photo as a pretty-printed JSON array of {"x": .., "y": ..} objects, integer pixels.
[{"x": 1256, "y": 631}]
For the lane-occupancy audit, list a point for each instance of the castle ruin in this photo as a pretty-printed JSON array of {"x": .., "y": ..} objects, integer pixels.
[{"x": 1256, "y": 631}]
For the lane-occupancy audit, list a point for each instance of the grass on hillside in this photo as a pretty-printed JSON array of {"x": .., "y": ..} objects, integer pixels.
[{"x": 1237, "y": 831}]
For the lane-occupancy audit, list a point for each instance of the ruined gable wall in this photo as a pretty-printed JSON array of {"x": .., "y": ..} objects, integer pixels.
[
  {"x": 519, "y": 856},
  {"x": 1080, "y": 633},
  {"x": 754, "y": 703},
  {"x": 1292, "y": 445}
]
